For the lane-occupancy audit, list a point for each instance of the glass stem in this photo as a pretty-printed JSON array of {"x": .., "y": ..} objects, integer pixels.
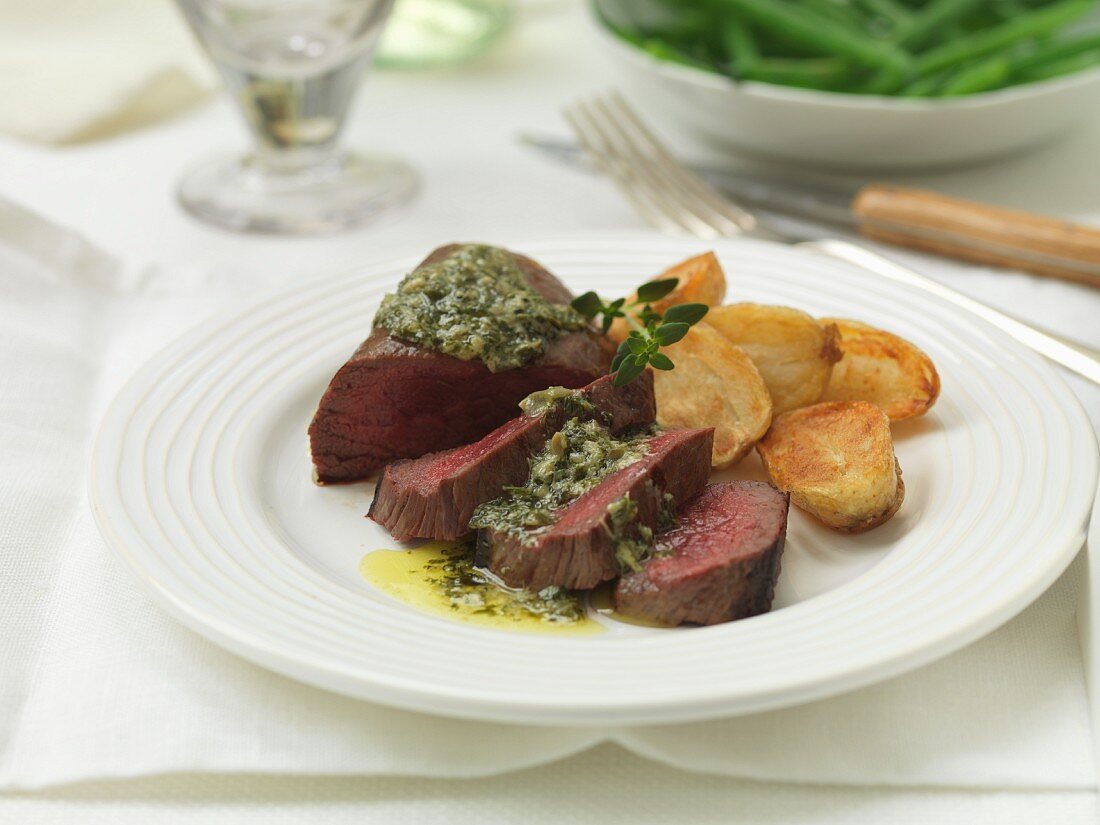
[{"x": 297, "y": 121}]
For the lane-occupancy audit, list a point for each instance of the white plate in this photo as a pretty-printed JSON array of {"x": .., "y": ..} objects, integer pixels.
[{"x": 201, "y": 480}]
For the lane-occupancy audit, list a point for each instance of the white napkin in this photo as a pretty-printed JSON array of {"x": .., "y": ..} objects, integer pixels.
[
  {"x": 96, "y": 683},
  {"x": 72, "y": 70}
]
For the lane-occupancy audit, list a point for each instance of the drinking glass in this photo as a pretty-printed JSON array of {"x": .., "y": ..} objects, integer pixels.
[{"x": 292, "y": 67}]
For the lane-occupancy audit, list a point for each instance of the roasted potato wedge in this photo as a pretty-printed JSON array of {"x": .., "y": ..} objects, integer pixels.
[
  {"x": 702, "y": 281},
  {"x": 837, "y": 461},
  {"x": 715, "y": 385},
  {"x": 884, "y": 369},
  {"x": 793, "y": 352}
]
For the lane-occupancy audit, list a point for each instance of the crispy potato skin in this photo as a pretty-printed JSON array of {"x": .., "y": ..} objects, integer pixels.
[
  {"x": 701, "y": 281},
  {"x": 837, "y": 461},
  {"x": 884, "y": 369},
  {"x": 792, "y": 350},
  {"x": 715, "y": 384}
]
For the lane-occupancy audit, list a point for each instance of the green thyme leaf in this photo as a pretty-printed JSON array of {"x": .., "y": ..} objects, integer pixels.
[
  {"x": 628, "y": 370},
  {"x": 589, "y": 304},
  {"x": 670, "y": 333},
  {"x": 661, "y": 362},
  {"x": 656, "y": 290},
  {"x": 686, "y": 313},
  {"x": 620, "y": 354},
  {"x": 641, "y": 348}
]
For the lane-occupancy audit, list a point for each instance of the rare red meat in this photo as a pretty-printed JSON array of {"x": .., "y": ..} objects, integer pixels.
[
  {"x": 720, "y": 563},
  {"x": 434, "y": 496},
  {"x": 577, "y": 551},
  {"x": 394, "y": 400}
]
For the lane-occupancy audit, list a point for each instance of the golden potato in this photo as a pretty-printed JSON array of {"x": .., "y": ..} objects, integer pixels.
[
  {"x": 701, "y": 281},
  {"x": 793, "y": 352},
  {"x": 837, "y": 461},
  {"x": 884, "y": 369},
  {"x": 714, "y": 385}
]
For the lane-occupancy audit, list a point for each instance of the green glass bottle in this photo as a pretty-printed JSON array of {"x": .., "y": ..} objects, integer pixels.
[{"x": 426, "y": 33}]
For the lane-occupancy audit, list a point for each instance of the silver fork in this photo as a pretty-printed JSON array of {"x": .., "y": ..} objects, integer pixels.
[{"x": 675, "y": 200}]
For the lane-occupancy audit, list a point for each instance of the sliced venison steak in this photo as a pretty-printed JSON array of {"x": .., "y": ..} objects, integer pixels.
[
  {"x": 394, "y": 400},
  {"x": 721, "y": 563},
  {"x": 433, "y": 497},
  {"x": 577, "y": 550}
]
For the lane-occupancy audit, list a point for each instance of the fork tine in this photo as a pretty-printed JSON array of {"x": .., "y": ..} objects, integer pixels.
[
  {"x": 685, "y": 210},
  {"x": 638, "y": 173},
  {"x": 591, "y": 138},
  {"x": 701, "y": 189}
]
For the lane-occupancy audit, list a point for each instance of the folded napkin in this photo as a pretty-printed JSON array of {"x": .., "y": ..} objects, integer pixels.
[
  {"x": 72, "y": 71},
  {"x": 97, "y": 683}
]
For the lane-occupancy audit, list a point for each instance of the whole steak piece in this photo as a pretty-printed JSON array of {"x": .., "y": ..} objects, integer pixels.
[
  {"x": 719, "y": 564},
  {"x": 433, "y": 497},
  {"x": 396, "y": 400},
  {"x": 578, "y": 550}
]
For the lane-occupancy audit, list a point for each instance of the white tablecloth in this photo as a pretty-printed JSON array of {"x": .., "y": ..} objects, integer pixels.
[{"x": 458, "y": 128}]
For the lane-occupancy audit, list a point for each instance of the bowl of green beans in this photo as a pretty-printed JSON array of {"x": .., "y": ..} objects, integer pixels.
[{"x": 861, "y": 84}]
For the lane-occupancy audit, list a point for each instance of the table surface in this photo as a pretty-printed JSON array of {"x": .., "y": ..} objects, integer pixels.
[{"x": 458, "y": 128}]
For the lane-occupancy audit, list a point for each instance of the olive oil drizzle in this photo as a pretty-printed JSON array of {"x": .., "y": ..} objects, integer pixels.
[
  {"x": 441, "y": 578},
  {"x": 427, "y": 578}
]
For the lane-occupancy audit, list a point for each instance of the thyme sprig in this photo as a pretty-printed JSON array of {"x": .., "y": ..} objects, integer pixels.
[{"x": 650, "y": 330}]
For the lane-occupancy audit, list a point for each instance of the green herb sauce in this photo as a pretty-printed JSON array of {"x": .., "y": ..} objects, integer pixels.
[
  {"x": 575, "y": 459},
  {"x": 559, "y": 404},
  {"x": 476, "y": 304},
  {"x": 469, "y": 589},
  {"x": 634, "y": 546},
  {"x": 541, "y": 402}
]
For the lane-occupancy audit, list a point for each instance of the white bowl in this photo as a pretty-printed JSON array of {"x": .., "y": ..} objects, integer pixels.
[{"x": 853, "y": 132}]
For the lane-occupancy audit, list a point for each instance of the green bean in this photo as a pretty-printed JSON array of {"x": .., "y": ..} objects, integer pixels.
[
  {"x": 929, "y": 22},
  {"x": 925, "y": 86},
  {"x": 692, "y": 24},
  {"x": 1056, "y": 50},
  {"x": 801, "y": 24},
  {"x": 663, "y": 50},
  {"x": 840, "y": 13},
  {"x": 890, "y": 10},
  {"x": 1008, "y": 9},
  {"x": 980, "y": 18},
  {"x": 982, "y": 76},
  {"x": 882, "y": 82},
  {"x": 980, "y": 43},
  {"x": 780, "y": 45},
  {"x": 912, "y": 48},
  {"x": 741, "y": 50},
  {"x": 1057, "y": 68},
  {"x": 807, "y": 72},
  {"x": 932, "y": 18}
]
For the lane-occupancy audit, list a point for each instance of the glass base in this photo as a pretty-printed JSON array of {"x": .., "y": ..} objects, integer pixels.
[{"x": 245, "y": 195}]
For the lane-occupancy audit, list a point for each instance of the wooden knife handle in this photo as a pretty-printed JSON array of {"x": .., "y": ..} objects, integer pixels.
[{"x": 978, "y": 232}]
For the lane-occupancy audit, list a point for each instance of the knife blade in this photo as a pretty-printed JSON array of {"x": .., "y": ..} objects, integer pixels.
[{"x": 913, "y": 218}]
